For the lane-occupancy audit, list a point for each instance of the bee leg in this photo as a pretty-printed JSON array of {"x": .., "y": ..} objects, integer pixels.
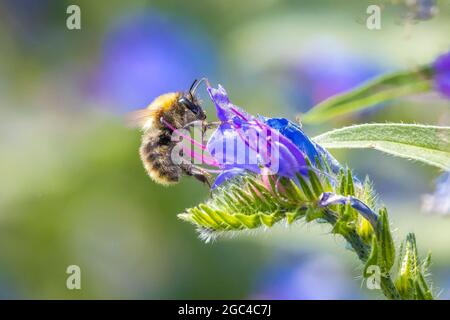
[
  {"x": 212, "y": 124},
  {"x": 201, "y": 176},
  {"x": 193, "y": 123},
  {"x": 205, "y": 125},
  {"x": 203, "y": 179}
]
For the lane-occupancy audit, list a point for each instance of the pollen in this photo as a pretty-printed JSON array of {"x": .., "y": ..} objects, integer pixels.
[{"x": 164, "y": 102}]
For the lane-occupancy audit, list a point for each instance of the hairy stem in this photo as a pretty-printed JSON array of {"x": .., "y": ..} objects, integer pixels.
[
  {"x": 250, "y": 204},
  {"x": 388, "y": 288},
  {"x": 362, "y": 250}
]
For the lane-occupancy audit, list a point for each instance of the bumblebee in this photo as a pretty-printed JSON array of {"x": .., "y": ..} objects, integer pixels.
[{"x": 168, "y": 112}]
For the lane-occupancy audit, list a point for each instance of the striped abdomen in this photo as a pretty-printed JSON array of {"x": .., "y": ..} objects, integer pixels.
[{"x": 155, "y": 154}]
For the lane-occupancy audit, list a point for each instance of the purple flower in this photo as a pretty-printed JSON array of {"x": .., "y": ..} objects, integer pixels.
[
  {"x": 319, "y": 75},
  {"x": 439, "y": 201},
  {"x": 267, "y": 146},
  {"x": 144, "y": 53},
  {"x": 304, "y": 276},
  {"x": 442, "y": 74},
  {"x": 312, "y": 150},
  {"x": 421, "y": 9},
  {"x": 329, "y": 198}
]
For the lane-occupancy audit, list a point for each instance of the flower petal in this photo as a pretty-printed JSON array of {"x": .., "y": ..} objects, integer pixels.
[
  {"x": 294, "y": 133},
  {"x": 223, "y": 105},
  {"x": 227, "y": 175},
  {"x": 328, "y": 198},
  {"x": 230, "y": 150},
  {"x": 301, "y": 140}
]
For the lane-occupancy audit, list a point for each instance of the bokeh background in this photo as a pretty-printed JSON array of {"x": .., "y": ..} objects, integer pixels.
[{"x": 73, "y": 190}]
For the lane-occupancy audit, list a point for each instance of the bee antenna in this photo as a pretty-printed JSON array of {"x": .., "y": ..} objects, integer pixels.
[
  {"x": 193, "y": 85},
  {"x": 196, "y": 84}
]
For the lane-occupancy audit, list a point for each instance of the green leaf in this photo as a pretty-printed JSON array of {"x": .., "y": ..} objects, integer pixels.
[
  {"x": 428, "y": 144},
  {"x": 376, "y": 91}
]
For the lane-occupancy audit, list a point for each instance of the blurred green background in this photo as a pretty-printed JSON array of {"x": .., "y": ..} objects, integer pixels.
[{"x": 73, "y": 190}]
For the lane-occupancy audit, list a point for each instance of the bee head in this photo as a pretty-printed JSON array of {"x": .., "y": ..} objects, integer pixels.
[{"x": 189, "y": 102}]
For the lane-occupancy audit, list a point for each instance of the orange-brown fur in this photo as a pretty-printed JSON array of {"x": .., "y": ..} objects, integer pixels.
[{"x": 156, "y": 146}]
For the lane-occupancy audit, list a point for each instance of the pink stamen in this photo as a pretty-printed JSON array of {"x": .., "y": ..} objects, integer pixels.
[
  {"x": 263, "y": 126},
  {"x": 239, "y": 114},
  {"x": 202, "y": 146},
  {"x": 202, "y": 158},
  {"x": 241, "y": 135},
  {"x": 265, "y": 151}
]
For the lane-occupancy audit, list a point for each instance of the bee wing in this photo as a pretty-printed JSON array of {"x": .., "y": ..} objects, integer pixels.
[{"x": 137, "y": 118}]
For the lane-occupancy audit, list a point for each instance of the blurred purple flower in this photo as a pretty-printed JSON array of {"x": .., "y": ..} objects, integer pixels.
[
  {"x": 279, "y": 146},
  {"x": 442, "y": 74},
  {"x": 145, "y": 54},
  {"x": 307, "y": 277},
  {"x": 421, "y": 9},
  {"x": 328, "y": 68},
  {"x": 439, "y": 201}
]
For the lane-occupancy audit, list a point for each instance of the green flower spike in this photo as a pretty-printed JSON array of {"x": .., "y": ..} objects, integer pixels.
[
  {"x": 251, "y": 202},
  {"x": 310, "y": 185}
]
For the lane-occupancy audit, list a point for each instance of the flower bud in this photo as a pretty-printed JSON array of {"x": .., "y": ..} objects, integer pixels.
[
  {"x": 411, "y": 283},
  {"x": 364, "y": 229},
  {"x": 385, "y": 241}
]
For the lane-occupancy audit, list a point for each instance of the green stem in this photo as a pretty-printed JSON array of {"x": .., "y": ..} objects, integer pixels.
[{"x": 362, "y": 250}]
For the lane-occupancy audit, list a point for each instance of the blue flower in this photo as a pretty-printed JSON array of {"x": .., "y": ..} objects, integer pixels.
[
  {"x": 439, "y": 201},
  {"x": 442, "y": 74},
  {"x": 267, "y": 146},
  {"x": 312, "y": 150}
]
